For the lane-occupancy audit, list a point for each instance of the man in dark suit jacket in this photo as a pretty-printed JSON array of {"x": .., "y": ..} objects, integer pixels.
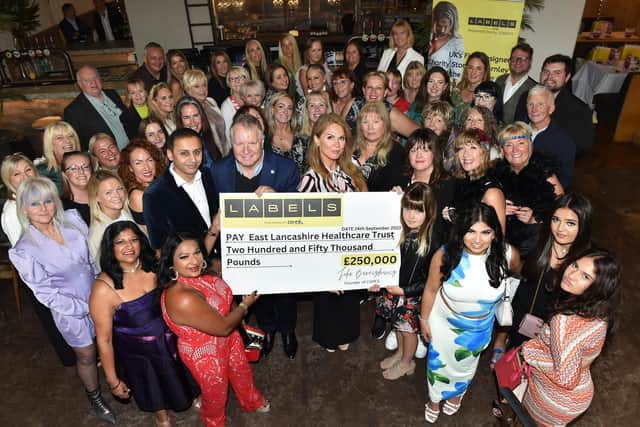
[
  {"x": 184, "y": 197},
  {"x": 96, "y": 110},
  {"x": 571, "y": 114},
  {"x": 153, "y": 69},
  {"x": 517, "y": 81},
  {"x": 548, "y": 137},
  {"x": 72, "y": 28},
  {"x": 249, "y": 168},
  {"x": 108, "y": 14}
]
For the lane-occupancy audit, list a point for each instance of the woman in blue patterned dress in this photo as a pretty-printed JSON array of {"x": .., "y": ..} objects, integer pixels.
[{"x": 464, "y": 284}]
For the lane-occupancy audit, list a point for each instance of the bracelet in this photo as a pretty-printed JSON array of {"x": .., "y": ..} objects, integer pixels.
[
  {"x": 244, "y": 307},
  {"x": 115, "y": 386}
]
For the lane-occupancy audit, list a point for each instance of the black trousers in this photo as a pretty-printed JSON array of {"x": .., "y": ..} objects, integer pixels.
[
  {"x": 65, "y": 353},
  {"x": 276, "y": 313}
]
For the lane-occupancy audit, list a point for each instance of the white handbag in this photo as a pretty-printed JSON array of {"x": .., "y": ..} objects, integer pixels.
[{"x": 503, "y": 309}]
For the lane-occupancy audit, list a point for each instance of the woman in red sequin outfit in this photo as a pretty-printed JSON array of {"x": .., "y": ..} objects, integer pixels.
[{"x": 199, "y": 309}]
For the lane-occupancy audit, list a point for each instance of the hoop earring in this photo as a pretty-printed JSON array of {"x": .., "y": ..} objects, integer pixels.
[
  {"x": 203, "y": 266},
  {"x": 175, "y": 276}
]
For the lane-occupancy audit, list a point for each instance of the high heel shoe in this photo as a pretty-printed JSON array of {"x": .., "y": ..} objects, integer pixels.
[
  {"x": 197, "y": 403},
  {"x": 344, "y": 347},
  {"x": 431, "y": 415},
  {"x": 399, "y": 370},
  {"x": 450, "y": 408},
  {"x": 100, "y": 407},
  {"x": 264, "y": 408}
]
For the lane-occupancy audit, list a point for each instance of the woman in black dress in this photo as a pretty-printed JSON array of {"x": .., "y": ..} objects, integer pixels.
[{"x": 529, "y": 183}]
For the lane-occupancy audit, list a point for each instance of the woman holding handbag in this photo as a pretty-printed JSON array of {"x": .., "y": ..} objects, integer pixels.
[
  {"x": 566, "y": 233},
  {"x": 583, "y": 308},
  {"x": 466, "y": 280}
]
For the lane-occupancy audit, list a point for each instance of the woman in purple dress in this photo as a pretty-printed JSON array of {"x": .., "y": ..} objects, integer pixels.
[
  {"x": 52, "y": 257},
  {"x": 138, "y": 351}
]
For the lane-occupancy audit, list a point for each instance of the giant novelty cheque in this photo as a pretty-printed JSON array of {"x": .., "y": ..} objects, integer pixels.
[{"x": 309, "y": 242}]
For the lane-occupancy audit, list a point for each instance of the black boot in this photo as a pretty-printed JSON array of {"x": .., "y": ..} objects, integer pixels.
[
  {"x": 100, "y": 407},
  {"x": 267, "y": 345},
  {"x": 379, "y": 327},
  {"x": 290, "y": 344}
]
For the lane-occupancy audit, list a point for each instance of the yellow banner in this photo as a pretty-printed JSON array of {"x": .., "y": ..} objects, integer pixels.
[{"x": 461, "y": 27}]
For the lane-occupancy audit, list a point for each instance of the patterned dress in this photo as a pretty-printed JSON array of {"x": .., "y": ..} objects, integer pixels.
[
  {"x": 215, "y": 361},
  {"x": 461, "y": 323},
  {"x": 560, "y": 388}
]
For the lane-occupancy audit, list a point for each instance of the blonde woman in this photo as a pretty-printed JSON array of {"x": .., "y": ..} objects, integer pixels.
[
  {"x": 400, "y": 52},
  {"x": 15, "y": 169},
  {"x": 316, "y": 104},
  {"x": 53, "y": 259},
  {"x": 59, "y": 138},
  {"x": 289, "y": 58},
  {"x": 161, "y": 105},
  {"x": 255, "y": 60},
  {"x": 108, "y": 203},
  {"x": 194, "y": 83},
  {"x": 381, "y": 160},
  {"x": 473, "y": 184},
  {"x": 281, "y": 123}
]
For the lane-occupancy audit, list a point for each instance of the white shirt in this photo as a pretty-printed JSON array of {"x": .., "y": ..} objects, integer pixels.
[
  {"x": 511, "y": 88},
  {"x": 108, "y": 34},
  {"x": 196, "y": 193},
  {"x": 10, "y": 223}
]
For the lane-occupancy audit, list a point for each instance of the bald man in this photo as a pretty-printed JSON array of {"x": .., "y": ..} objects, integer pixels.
[{"x": 96, "y": 110}]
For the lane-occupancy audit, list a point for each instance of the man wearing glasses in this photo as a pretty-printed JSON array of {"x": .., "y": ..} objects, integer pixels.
[
  {"x": 250, "y": 168},
  {"x": 517, "y": 81}
]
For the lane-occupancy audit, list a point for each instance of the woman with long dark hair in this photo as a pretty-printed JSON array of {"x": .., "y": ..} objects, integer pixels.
[
  {"x": 190, "y": 114},
  {"x": 401, "y": 304},
  {"x": 77, "y": 169},
  {"x": 466, "y": 280},
  {"x": 137, "y": 350},
  {"x": 583, "y": 310},
  {"x": 199, "y": 309},
  {"x": 566, "y": 232},
  {"x": 217, "y": 87}
]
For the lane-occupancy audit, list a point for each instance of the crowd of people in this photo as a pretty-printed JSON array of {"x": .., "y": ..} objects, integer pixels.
[{"x": 127, "y": 196}]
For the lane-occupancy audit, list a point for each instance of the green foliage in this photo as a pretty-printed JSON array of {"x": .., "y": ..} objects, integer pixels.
[{"x": 21, "y": 17}]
